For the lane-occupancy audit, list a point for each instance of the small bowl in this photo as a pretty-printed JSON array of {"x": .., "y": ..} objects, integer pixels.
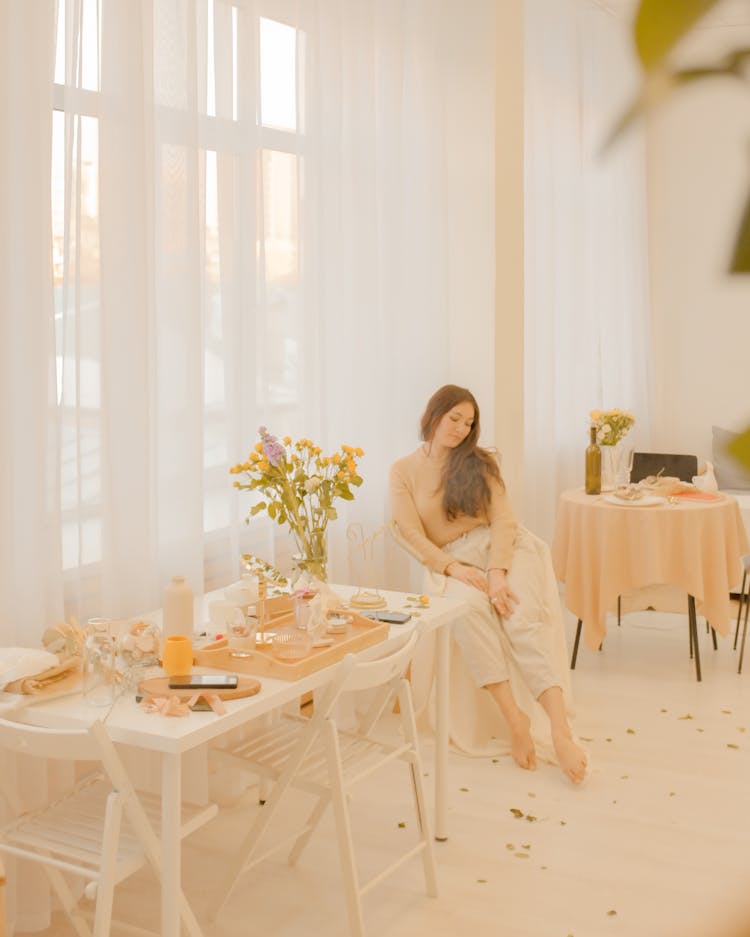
[
  {"x": 337, "y": 623},
  {"x": 291, "y": 645}
]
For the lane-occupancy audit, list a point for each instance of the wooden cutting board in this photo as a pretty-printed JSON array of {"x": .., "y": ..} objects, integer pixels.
[{"x": 159, "y": 686}]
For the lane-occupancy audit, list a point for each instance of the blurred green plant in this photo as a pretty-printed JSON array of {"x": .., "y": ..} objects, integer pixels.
[{"x": 659, "y": 26}]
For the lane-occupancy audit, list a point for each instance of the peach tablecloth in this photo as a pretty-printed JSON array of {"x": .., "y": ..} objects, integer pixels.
[{"x": 602, "y": 550}]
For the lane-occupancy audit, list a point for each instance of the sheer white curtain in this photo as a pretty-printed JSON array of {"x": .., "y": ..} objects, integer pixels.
[
  {"x": 257, "y": 217},
  {"x": 587, "y": 325}
]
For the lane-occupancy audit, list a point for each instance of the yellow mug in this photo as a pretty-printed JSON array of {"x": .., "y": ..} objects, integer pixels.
[{"x": 177, "y": 656}]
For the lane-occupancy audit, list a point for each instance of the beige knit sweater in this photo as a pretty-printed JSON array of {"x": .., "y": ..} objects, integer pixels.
[{"x": 416, "y": 507}]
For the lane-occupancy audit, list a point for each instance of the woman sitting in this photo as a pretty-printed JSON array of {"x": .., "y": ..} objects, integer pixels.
[{"x": 450, "y": 509}]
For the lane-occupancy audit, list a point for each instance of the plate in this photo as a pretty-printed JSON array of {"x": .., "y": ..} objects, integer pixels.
[{"x": 646, "y": 501}]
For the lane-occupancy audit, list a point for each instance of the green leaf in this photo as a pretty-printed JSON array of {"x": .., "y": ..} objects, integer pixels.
[
  {"x": 510, "y": 847},
  {"x": 257, "y": 508},
  {"x": 732, "y": 745},
  {"x": 331, "y": 513},
  {"x": 611, "y": 913},
  {"x": 660, "y": 24},
  {"x": 630, "y": 731},
  {"x": 401, "y": 824},
  {"x": 272, "y": 509},
  {"x": 516, "y": 812},
  {"x": 521, "y": 855}
]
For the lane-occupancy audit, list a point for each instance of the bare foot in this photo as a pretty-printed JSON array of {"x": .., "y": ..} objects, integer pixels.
[
  {"x": 521, "y": 743},
  {"x": 571, "y": 757}
]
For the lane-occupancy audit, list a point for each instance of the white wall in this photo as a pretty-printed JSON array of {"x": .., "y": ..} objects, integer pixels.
[{"x": 699, "y": 176}]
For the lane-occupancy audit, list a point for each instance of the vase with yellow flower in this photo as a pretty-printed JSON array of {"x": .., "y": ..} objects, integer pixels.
[
  {"x": 298, "y": 486},
  {"x": 611, "y": 427}
]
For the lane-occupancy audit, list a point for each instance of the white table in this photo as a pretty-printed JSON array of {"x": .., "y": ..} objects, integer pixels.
[{"x": 171, "y": 737}]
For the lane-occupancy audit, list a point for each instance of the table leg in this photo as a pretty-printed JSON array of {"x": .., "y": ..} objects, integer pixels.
[
  {"x": 171, "y": 844},
  {"x": 442, "y": 730},
  {"x": 575, "y": 645},
  {"x": 693, "y": 627}
]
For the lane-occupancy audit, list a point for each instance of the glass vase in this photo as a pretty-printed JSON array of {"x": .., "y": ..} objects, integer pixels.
[
  {"x": 616, "y": 461},
  {"x": 312, "y": 556}
]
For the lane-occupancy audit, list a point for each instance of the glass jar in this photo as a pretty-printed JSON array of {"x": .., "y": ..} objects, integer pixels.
[{"x": 100, "y": 675}]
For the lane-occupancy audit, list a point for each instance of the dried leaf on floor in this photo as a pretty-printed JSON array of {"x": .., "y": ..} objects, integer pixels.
[{"x": 516, "y": 812}]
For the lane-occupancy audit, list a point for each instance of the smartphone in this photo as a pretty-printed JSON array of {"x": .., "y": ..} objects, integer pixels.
[
  {"x": 393, "y": 618},
  {"x": 203, "y": 681}
]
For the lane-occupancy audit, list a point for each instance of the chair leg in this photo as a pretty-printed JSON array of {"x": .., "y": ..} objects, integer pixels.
[
  {"x": 67, "y": 901},
  {"x": 619, "y": 610},
  {"x": 575, "y": 645},
  {"x": 420, "y": 803},
  {"x": 344, "y": 833},
  {"x": 739, "y": 610},
  {"x": 312, "y": 822},
  {"x": 744, "y": 632},
  {"x": 693, "y": 627},
  {"x": 713, "y": 638}
]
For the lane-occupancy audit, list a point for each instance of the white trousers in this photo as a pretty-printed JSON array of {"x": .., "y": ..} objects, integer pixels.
[
  {"x": 529, "y": 649},
  {"x": 478, "y": 633}
]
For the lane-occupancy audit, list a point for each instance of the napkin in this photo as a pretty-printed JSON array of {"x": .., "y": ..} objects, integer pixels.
[
  {"x": 19, "y": 662},
  {"x": 706, "y": 480},
  {"x": 698, "y": 495},
  {"x": 59, "y": 677}
]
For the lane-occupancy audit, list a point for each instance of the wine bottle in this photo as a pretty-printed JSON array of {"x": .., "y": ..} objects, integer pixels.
[{"x": 593, "y": 466}]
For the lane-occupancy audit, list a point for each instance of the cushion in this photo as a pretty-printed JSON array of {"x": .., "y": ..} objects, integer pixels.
[{"x": 729, "y": 472}]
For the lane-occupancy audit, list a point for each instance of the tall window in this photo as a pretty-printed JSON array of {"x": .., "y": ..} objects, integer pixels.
[{"x": 238, "y": 117}]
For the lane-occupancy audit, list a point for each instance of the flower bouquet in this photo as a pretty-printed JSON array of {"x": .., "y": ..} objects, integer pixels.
[
  {"x": 611, "y": 425},
  {"x": 298, "y": 486}
]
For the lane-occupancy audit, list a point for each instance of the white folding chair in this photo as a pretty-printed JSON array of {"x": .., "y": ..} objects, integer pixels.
[
  {"x": 100, "y": 829},
  {"x": 312, "y": 754}
]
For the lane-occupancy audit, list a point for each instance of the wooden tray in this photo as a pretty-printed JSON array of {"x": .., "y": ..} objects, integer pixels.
[
  {"x": 159, "y": 686},
  {"x": 361, "y": 633}
]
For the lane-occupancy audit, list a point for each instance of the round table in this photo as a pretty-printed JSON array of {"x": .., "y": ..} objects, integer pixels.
[{"x": 602, "y": 550}]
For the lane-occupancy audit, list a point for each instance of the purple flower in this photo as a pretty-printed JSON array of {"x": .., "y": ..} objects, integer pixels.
[{"x": 272, "y": 448}]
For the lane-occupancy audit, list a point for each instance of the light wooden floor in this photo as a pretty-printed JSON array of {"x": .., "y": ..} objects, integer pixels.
[{"x": 655, "y": 843}]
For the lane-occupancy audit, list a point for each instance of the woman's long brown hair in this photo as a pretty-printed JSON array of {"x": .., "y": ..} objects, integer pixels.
[{"x": 465, "y": 476}]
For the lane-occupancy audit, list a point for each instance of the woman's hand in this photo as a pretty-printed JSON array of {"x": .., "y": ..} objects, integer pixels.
[
  {"x": 468, "y": 574},
  {"x": 501, "y": 595}
]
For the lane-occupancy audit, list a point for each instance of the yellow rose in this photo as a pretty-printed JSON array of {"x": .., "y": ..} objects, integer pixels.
[
  {"x": 359, "y": 452},
  {"x": 336, "y": 458},
  {"x": 340, "y": 475},
  {"x": 287, "y": 440},
  {"x": 259, "y": 447},
  {"x": 595, "y": 415}
]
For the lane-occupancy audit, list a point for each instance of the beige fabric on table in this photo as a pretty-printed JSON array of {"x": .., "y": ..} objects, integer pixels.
[
  {"x": 602, "y": 550},
  {"x": 3, "y": 929},
  {"x": 59, "y": 679},
  {"x": 476, "y": 725}
]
